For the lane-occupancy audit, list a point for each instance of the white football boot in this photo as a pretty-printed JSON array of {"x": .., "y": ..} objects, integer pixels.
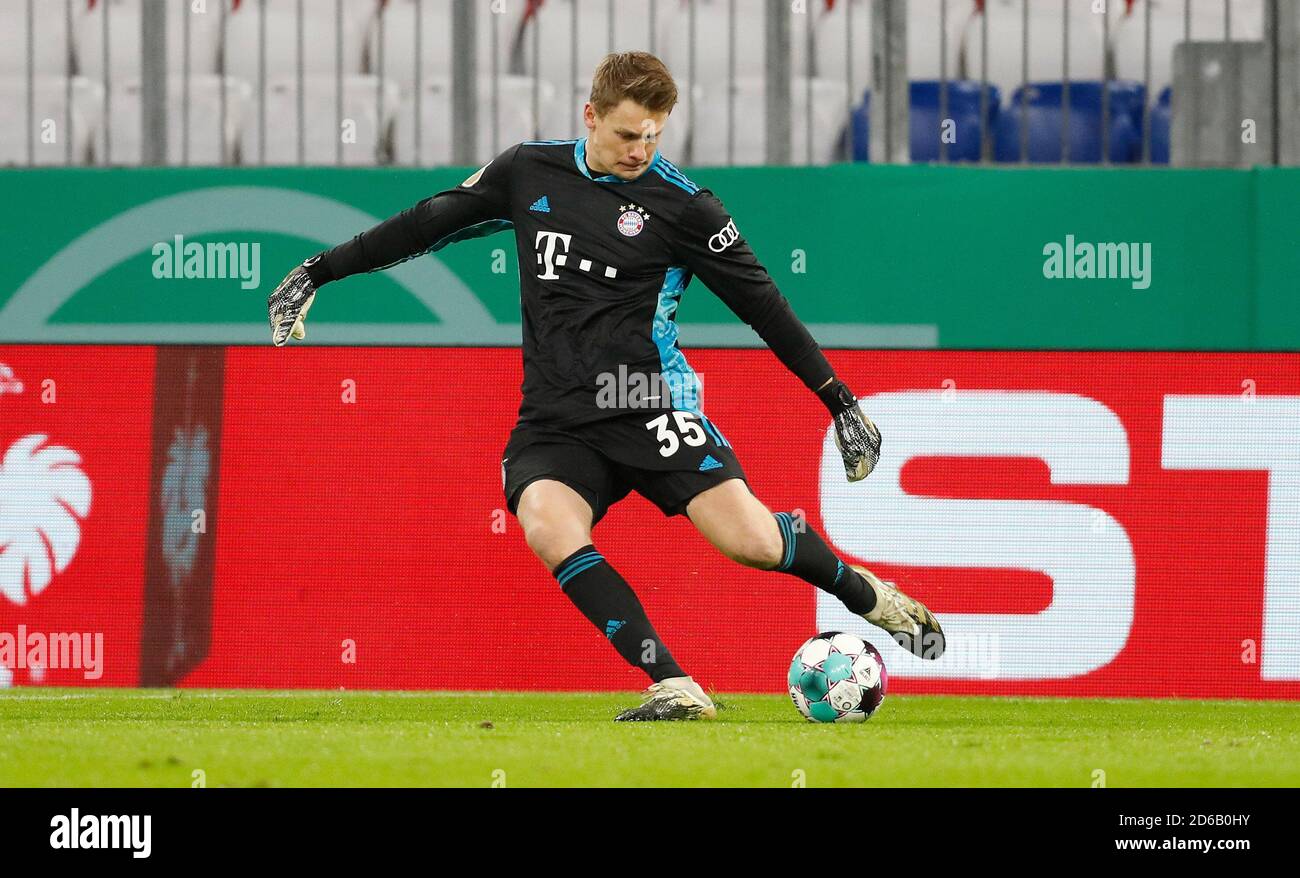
[
  {"x": 907, "y": 620},
  {"x": 672, "y": 698}
]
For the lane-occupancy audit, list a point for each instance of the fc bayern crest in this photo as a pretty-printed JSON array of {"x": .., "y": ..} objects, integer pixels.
[{"x": 632, "y": 220}]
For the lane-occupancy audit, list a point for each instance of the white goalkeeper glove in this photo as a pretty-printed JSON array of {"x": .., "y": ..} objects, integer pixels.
[
  {"x": 288, "y": 305},
  {"x": 855, "y": 436}
]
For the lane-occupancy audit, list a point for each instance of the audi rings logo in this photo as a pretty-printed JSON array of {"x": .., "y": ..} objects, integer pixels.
[{"x": 725, "y": 238}]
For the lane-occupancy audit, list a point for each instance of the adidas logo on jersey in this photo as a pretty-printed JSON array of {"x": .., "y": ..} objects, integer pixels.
[
  {"x": 541, "y": 205},
  {"x": 709, "y": 462}
]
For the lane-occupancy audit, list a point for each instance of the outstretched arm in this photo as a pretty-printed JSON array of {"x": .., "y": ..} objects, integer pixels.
[
  {"x": 477, "y": 207},
  {"x": 711, "y": 247}
]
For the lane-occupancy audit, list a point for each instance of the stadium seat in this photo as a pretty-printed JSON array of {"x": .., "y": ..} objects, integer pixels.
[
  {"x": 561, "y": 61},
  {"x": 671, "y": 38},
  {"x": 712, "y": 28},
  {"x": 830, "y": 42},
  {"x": 1168, "y": 28},
  {"x": 825, "y": 122},
  {"x": 320, "y": 38},
  {"x": 1161, "y": 118},
  {"x": 208, "y": 143},
  {"x": 50, "y": 95},
  {"x": 364, "y": 132},
  {"x": 1044, "y": 115},
  {"x": 924, "y": 18},
  {"x": 394, "y": 29},
  {"x": 124, "y": 38},
  {"x": 634, "y": 27},
  {"x": 825, "y": 63},
  {"x": 926, "y": 120},
  {"x": 515, "y": 94},
  {"x": 857, "y": 132},
  {"x": 1087, "y": 35},
  {"x": 50, "y": 39}
]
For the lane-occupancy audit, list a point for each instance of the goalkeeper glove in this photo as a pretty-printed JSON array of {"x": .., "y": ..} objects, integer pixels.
[
  {"x": 855, "y": 436},
  {"x": 288, "y": 304}
]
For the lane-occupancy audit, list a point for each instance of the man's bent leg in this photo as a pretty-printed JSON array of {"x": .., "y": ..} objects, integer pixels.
[
  {"x": 734, "y": 520},
  {"x": 557, "y": 524},
  {"x": 743, "y": 529}
]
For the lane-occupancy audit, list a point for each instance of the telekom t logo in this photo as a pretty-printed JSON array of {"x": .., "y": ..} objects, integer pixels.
[{"x": 547, "y": 257}]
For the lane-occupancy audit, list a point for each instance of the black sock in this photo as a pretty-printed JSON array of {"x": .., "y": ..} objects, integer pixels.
[
  {"x": 807, "y": 556},
  {"x": 608, "y": 601}
]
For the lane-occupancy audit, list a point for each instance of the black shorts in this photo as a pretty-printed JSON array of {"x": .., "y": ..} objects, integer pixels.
[{"x": 666, "y": 457}]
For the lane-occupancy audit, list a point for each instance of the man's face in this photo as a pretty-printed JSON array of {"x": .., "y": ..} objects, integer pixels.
[{"x": 624, "y": 140}]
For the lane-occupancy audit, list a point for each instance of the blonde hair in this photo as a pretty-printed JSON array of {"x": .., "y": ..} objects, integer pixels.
[{"x": 639, "y": 76}]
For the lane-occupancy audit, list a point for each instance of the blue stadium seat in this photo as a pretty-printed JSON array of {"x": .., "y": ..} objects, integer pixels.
[
  {"x": 1044, "y": 102},
  {"x": 963, "y": 108},
  {"x": 1161, "y": 117},
  {"x": 858, "y": 131}
]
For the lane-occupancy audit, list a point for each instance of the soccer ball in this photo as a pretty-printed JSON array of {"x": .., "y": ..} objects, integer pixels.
[{"x": 837, "y": 678}]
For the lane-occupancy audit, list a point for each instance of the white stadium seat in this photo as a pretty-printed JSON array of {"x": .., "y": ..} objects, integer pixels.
[
  {"x": 50, "y": 38},
  {"x": 515, "y": 97},
  {"x": 124, "y": 38},
  {"x": 320, "y": 38},
  {"x": 924, "y": 23},
  {"x": 208, "y": 143},
  {"x": 1086, "y": 42},
  {"x": 633, "y": 29},
  {"x": 827, "y": 119},
  {"x": 831, "y": 47},
  {"x": 1167, "y": 30},
  {"x": 364, "y": 132},
  {"x": 712, "y": 23},
  {"x": 672, "y": 38},
  {"x": 395, "y": 30},
  {"x": 49, "y": 137}
]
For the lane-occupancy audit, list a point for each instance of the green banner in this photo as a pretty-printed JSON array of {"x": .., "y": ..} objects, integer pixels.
[{"x": 869, "y": 256}]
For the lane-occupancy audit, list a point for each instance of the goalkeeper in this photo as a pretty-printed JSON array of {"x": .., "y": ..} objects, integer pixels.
[{"x": 608, "y": 234}]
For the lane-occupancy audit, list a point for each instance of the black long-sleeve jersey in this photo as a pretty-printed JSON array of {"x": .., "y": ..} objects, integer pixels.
[{"x": 603, "y": 263}]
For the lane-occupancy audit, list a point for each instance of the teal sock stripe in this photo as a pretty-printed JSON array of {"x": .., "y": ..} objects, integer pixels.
[
  {"x": 786, "y": 524},
  {"x": 577, "y": 565}
]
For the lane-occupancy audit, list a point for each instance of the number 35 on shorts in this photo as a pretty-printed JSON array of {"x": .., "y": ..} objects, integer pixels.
[{"x": 688, "y": 431}]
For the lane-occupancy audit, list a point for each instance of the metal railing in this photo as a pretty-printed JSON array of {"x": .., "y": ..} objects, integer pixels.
[{"x": 421, "y": 82}]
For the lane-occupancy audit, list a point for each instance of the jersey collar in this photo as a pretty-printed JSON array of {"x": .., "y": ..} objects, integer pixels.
[{"x": 580, "y": 159}]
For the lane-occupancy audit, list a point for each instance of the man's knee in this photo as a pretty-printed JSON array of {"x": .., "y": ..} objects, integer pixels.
[
  {"x": 758, "y": 546},
  {"x": 554, "y": 527},
  {"x": 552, "y": 542}
]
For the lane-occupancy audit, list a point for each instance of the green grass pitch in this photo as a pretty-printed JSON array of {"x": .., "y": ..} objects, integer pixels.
[{"x": 247, "y": 738}]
